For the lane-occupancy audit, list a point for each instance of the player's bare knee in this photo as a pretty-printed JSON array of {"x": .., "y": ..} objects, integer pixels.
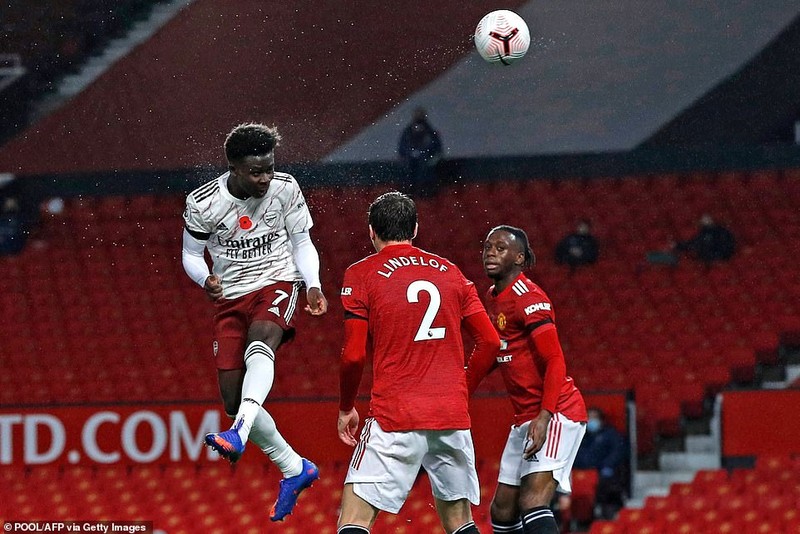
[
  {"x": 267, "y": 332},
  {"x": 539, "y": 495},
  {"x": 355, "y": 510},
  {"x": 504, "y": 512}
]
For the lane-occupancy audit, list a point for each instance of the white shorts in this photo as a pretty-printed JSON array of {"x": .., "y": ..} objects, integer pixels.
[
  {"x": 386, "y": 464},
  {"x": 557, "y": 454}
]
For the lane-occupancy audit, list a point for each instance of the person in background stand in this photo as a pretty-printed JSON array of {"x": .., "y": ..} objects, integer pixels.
[
  {"x": 603, "y": 448},
  {"x": 420, "y": 148},
  {"x": 712, "y": 242},
  {"x": 12, "y": 227},
  {"x": 578, "y": 248}
]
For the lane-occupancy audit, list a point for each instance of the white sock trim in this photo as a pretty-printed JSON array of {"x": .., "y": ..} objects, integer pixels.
[
  {"x": 258, "y": 348},
  {"x": 498, "y": 529},
  {"x": 259, "y": 372},
  {"x": 537, "y": 514}
]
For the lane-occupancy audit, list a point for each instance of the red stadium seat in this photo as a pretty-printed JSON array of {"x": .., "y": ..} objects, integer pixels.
[
  {"x": 775, "y": 463},
  {"x": 584, "y": 484},
  {"x": 631, "y": 516},
  {"x": 607, "y": 527},
  {"x": 765, "y": 343},
  {"x": 706, "y": 479}
]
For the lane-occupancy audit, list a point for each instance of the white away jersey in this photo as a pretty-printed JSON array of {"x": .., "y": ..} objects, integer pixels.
[{"x": 249, "y": 239}]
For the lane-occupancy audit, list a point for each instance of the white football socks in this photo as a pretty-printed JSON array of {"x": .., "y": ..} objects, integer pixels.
[
  {"x": 253, "y": 422},
  {"x": 259, "y": 361},
  {"x": 265, "y": 434}
]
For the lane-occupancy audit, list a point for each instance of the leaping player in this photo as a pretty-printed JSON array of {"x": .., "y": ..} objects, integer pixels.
[{"x": 255, "y": 224}]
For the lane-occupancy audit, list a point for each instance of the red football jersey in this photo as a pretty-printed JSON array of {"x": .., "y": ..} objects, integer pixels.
[
  {"x": 414, "y": 302},
  {"x": 519, "y": 311}
]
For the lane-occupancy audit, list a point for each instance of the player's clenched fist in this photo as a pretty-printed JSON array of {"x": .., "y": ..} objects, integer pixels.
[{"x": 213, "y": 287}]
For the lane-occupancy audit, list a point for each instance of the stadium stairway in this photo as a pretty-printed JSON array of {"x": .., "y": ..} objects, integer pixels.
[
  {"x": 765, "y": 499},
  {"x": 141, "y": 30}
]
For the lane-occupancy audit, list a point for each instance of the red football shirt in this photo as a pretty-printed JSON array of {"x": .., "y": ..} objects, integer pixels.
[
  {"x": 414, "y": 302},
  {"x": 519, "y": 312}
]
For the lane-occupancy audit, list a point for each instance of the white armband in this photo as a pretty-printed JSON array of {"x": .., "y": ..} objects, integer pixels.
[
  {"x": 306, "y": 258},
  {"x": 194, "y": 263}
]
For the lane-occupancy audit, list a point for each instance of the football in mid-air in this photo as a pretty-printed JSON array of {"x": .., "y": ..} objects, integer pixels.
[{"x": 502, "y": 37}]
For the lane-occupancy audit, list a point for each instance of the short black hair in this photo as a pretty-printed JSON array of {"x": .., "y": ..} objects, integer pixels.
[
  {"x": 393, "y": 217},
  {"x": 250, "y": 139},
  {"x": 522, "y": 238}
]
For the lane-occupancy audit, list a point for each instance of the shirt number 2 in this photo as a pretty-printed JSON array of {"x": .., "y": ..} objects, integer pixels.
[{"x": 425, "y": 331}]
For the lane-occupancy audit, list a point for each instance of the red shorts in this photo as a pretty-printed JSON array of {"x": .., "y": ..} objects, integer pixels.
[{"x": 275, "y": 303}]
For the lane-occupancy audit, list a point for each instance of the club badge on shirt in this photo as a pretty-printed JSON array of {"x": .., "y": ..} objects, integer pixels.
[{"x": 501, "y": 321}]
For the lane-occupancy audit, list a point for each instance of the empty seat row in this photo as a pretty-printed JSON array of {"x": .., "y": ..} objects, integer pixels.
[{"x": 103, "y": 282}]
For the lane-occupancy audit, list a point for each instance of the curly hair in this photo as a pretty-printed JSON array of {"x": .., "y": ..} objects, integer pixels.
[{"x": 250, "y": 139}]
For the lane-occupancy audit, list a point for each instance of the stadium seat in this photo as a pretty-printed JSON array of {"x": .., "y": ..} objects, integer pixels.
[
  {"x": 775, "y": 462},
  {"x": 607, "y": 527},
  {"x": 765, "y": 343},
  {"x": 706, "y": 479},
  {"x": 584, "y": 484}
]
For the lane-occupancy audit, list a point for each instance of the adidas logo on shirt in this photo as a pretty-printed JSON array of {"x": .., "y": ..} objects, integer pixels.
[{"x": 519, "y": 288}]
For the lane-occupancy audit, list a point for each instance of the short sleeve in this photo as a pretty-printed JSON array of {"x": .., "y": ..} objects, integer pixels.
[
  {"x": 471, "y": 303},
  {"x": 354, "y": 294},
  {"x": 536, "y": 311},
  {"x": 193, "y": 219},
  {"x": 297, "y": 217}
]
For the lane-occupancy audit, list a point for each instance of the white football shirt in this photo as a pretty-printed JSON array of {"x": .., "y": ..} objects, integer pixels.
[{"x": 249, "y": 239}]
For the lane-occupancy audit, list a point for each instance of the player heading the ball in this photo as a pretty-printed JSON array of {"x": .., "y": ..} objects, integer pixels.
[{"x": 255, "y": 224}]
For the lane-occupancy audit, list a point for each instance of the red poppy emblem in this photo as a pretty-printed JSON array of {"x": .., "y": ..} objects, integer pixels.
[{"x": 245, "y": 223}]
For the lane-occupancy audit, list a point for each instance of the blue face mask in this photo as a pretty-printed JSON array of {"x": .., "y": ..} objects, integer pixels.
[{"x": 593, "y": 425}]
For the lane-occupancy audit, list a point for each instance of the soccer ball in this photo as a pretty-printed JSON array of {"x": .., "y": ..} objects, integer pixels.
[{"x": 502, "y": 37}]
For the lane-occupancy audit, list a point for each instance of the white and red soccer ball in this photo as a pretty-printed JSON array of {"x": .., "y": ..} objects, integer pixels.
[{"x": 502, "y": 37}]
